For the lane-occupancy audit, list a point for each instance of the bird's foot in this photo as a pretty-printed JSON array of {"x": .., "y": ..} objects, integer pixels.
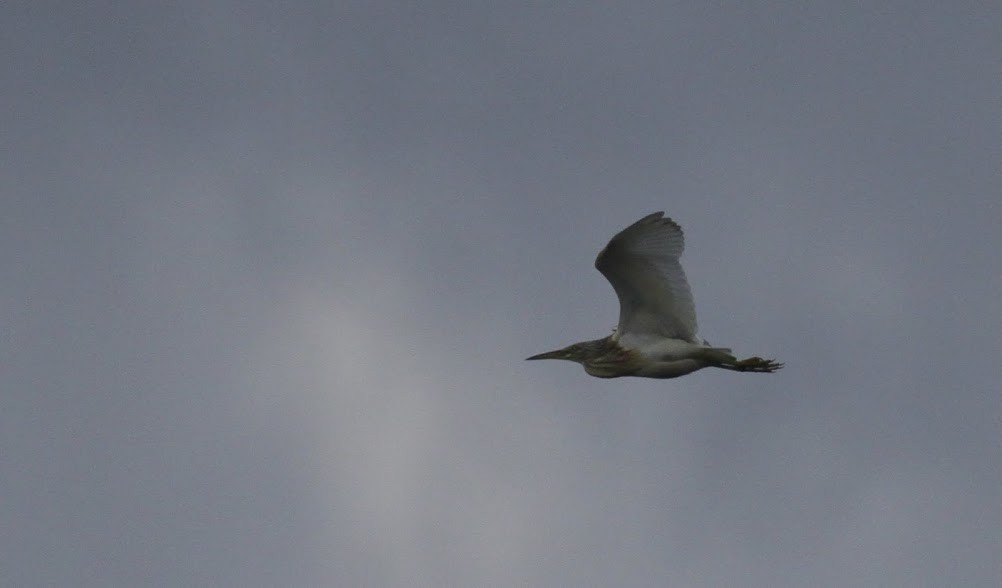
[{"x": 757, "y": 364}]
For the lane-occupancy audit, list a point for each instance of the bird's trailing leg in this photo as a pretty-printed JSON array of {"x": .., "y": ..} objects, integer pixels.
[{"x": 757, "y": 364}]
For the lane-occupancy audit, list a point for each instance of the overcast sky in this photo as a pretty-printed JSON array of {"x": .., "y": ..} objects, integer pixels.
[{"x": 271, "y": 271}]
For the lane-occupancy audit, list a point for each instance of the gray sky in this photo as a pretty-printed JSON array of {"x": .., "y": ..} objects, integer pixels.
[{"x": 271, "y": 273}]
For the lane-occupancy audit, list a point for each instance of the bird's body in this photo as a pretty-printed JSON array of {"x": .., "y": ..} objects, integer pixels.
[{"x": 656, "y": 335}]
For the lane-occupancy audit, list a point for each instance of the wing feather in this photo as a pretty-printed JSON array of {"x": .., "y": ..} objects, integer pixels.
[{"x": 642, "y": 264}]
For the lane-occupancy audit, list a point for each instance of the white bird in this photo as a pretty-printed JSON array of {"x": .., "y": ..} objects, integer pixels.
[{"x": 656, "y": 335}]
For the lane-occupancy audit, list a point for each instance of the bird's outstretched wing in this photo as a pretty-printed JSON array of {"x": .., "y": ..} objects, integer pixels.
[{"x": 642, "y": 264}]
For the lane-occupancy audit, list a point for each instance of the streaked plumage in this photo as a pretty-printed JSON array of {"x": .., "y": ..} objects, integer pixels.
[{"x": 656, "y": 335}]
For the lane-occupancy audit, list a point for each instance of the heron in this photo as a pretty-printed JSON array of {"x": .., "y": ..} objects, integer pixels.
[{"x": 656, "y": 334}]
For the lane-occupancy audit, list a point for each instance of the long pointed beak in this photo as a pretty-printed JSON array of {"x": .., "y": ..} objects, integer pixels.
[{"x": 547, "y": 355}]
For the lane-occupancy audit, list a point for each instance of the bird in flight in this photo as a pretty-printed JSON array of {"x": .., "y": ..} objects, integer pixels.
[{"x": 656, "y": 335}]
